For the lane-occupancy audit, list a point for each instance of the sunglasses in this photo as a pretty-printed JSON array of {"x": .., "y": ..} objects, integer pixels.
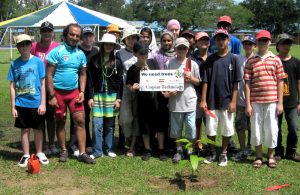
[
  {"x": 46, "y": 30},
  {"x": 263, "y": 40}
]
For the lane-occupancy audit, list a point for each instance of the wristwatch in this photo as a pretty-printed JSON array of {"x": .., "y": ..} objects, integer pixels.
[{"x": 51, "y": 96}]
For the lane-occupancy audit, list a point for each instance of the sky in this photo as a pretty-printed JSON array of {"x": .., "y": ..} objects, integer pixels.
[{"x": 57, "y": 1}]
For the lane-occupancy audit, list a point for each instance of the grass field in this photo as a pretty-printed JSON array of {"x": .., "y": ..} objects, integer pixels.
[{"x": 125, "y": 175}]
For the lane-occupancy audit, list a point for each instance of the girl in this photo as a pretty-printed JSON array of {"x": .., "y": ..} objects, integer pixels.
[
  {"x": 104, "y": 80},
  {"x": 148, "y": 36}
]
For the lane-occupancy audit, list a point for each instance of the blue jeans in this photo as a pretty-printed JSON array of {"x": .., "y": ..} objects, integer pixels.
[
  {"x": 291, "y": 117},
  {"x": 100, "y": 125}
]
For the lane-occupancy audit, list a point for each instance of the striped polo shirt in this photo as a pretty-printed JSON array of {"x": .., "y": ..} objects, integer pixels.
[{"x": 263, "y": 74}]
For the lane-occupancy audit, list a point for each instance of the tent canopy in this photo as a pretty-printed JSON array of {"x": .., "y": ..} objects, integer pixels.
[{"x": 62, "y": 14}]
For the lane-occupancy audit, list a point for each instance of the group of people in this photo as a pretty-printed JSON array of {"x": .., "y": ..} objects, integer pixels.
[{"x": 222, "y": 90}]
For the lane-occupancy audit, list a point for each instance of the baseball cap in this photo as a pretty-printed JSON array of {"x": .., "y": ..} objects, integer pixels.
[
  {"x": 87, "y": 30},
  {"x": 112, "y": 28},
  {"x": 23, "y": 37},
  {"x": 200, "y": 35},
  {"x": 140, "y": 46},
  {"x": 187, "y": 32},
  {"x": 225, "y": 19},
  {"x": 284, "y": 37},
  {"x": 263, "y": 34},
  {"x": 221, "y": 31},
  {"x": 47, "y": 25},
  {"x": 182, "y": 41},
  {"x": 249, "y": 38}
]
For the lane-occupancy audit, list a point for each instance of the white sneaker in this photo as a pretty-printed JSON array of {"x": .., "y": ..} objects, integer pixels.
[
  {"x": 42, "y": 158},
  {"x": 76, "y": 153},
  {"x": 24, "y": 161},
  {"x": 222, "y": 160},
  {"x": 111, "y": 154}
]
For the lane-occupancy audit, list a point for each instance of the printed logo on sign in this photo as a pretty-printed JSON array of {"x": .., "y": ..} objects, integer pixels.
[{"x": 66, "y": 58}]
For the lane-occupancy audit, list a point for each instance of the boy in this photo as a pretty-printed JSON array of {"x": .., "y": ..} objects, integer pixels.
[
  {"x": 242, "y": 121},
  {"x": 182, "y": 104},
  {"x": 220, "y": 85},
  {"x": 291, "y": 103},
  {"x": 264, "y": 87},
  {"x": 28, "y": 101}
]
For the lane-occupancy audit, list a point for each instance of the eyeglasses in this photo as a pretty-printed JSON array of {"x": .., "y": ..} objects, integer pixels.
[
  {"x": 46, "y": 30},
  {"x": 263, "y": 40}
]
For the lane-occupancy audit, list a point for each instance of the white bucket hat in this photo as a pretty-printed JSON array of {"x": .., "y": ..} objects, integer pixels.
[
  {"x": 130, "y": 31},
  {"x": 109, "y": 38}
]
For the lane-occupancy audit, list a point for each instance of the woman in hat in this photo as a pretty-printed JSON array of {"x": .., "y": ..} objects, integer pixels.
[
  {"x": 104, "y": 80},
  {"x": 127, "y": 120}
]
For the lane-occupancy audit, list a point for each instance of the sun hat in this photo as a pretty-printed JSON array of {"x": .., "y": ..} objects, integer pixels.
[
  {"x": 263, "y": 34},
  {"x": 130, "y": 31},
  {"x": 140, "y": 46},
  {"x": 23, "y": 37},
  {"x": 249, "y": 38},
  {"x": 200, "y": 35},
  {"x": 87, "y": 30},
  {"x": 225, "y": 19},
  {"x": 182, "y": 41},
  {"x": 221, "y": 31},
  {"x": 112, "y": 28},
  {"x": 47, "y": 25},
  {"x": 109, "y": 38}
]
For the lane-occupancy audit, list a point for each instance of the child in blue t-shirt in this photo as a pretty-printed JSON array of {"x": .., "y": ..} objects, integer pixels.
[{"x": 27, "y": 89}]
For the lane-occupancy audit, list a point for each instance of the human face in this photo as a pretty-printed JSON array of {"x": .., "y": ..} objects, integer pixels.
[
  {"x": 263, "y": 44},
  {"x": 181, "y": 51},
  {"x": 88, "y": 39},
  {"x": 146, "y": 37},
  {"x": 130, "y": 41},
  {"x": 190, "y": 39},
  {"x": 166, "y": 42},
  {"x": 203, "y": 43},
  {"x": 108, "y": 47},
  {"x": 249, "y": 47},
  {"x": 222, "y": 42},
  {"x": 24, "y": 47},
  {"x": 284, "y": 46},
  {"x": 46, "y": 34},
  {"x": 73, "y": 36},
  {"x": 224, "y": 25},
  {"x": 116, "y": 33},
  {"x": 175, "y": 30},
  {"x": 142, "y": 56}
]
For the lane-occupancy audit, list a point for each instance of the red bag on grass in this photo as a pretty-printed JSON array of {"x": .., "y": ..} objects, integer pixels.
[{"x": 33, "y": 164}]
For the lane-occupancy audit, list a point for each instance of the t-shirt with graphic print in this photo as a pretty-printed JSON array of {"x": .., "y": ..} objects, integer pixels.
[
  {"x": 27, "y": 77},
  {"x": 41, "y": 52}
]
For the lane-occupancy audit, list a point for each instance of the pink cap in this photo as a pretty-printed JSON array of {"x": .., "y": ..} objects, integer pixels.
[
  {"x": 225, "y": 19},
  {"x": 200, "y": 35},
  {"x": 263, "y": 34},
  {"x": 221, "y": 31},
  {"x": 172, "y": 23}
]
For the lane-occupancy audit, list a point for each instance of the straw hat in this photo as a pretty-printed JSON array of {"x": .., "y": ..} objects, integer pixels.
[
  {"x": 130, "y": 31},
  {"x": 112, "y": 28},
  {"x": 109, "y": 38}
]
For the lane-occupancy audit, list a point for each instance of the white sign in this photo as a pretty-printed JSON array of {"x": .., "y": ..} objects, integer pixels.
[{"x": 161, "y": 80}]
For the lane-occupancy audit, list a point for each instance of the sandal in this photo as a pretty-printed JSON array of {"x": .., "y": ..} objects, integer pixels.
[
  {"x": 257, "y": 163},
  {"x": 272, "y": 163}
]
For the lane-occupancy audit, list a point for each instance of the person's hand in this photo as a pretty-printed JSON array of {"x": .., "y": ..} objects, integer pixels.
[
  {"x": 249, "y": 110},
  {"x": 187, "y": 76},
  {"x": 166, "y": 94},
  {"x": 80, "y": 98},
  {"x": 117, "y": 105},
  {"x": 173, "y": 93},
  {"x": 203, "y": 105},
  {"x": 42, "y": 109},
  {"x": 53, "y": 102},
  {"x": 135, "y": 87},
  {"x": 14, "y": 112},
  {"x": 279, "y": 108},
  {"x": 91, "y": 103},
  {"x": 232, "y": 107}
]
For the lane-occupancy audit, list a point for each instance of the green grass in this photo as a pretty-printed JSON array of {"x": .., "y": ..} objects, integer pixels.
[{"x": 128, "y": 175}]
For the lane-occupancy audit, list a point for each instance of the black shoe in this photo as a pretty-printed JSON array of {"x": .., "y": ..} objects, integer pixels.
[
  {"x": 294, "y": 157},
  {"x": 232, "y": 149},
  {"x": 86, "y": 159},
  {"x": 147, "y": 155},
  {"x": 162, "y": 155}
]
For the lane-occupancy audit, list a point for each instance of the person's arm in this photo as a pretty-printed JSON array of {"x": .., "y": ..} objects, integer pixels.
[
  {"x": 42, "y": 107},
  {"x": 82, "y": 78},
  {"x": 247, "y": 94},
  {"x": 279, "y": 109},
  {"x": 203, "y": 103},
  {"x": 14, "y": 111},
  {"x": 298, "y": 105},
  {"x": 50, "y": 85},
  {"x": 232, "y": 104}
]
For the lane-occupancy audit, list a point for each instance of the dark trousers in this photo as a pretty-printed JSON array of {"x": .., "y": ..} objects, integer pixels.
[{"x": 291, "y": 117}]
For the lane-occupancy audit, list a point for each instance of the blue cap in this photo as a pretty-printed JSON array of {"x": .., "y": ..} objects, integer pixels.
[{"x": 249, "y": 38}]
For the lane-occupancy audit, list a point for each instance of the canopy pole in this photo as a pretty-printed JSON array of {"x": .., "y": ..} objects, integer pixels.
[
  {"x": 3, "y": 36},
  {"x": 10, "y": 40}
]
